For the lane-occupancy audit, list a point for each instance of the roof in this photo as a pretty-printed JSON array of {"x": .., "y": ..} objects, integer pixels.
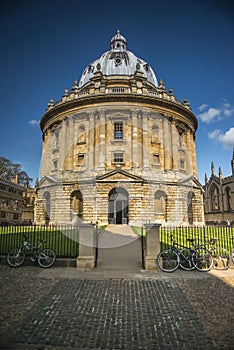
[{"x": 118, "y": 61}]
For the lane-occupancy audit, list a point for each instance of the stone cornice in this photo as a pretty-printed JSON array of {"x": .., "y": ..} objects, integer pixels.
[{"x": 162, "y": 105}]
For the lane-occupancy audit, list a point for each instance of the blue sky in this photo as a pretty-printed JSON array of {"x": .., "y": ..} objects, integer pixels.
[{"x": 45, "y": 46}]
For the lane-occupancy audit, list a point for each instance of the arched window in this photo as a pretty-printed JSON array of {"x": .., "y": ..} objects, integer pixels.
[
  {"x": 214, "y": 198},
  {"x": 160, "y": 204},
  {"x": 154, "y": 131},
  {"x": 46, "y": 197},
  {"x": 77, "y": 204},
  {"x": 190, "y": 198},
  {"x": 81, "y": 135},
  {"x": 228, "y": 198}
]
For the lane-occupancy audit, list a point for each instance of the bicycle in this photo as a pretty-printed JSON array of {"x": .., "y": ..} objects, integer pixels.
[
  {"x": 187, "y": 258},
  {"x": 221, "y": 257},
  {"x": 45, "y": 257}
]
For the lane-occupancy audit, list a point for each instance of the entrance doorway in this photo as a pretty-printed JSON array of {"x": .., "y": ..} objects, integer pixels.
[{"x": 118, "y": 206}]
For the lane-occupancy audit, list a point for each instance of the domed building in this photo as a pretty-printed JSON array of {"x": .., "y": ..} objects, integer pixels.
[{"x": 119, "y": 148}]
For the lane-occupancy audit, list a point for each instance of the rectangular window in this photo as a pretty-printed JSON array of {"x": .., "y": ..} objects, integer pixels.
[
  {"x": 80, "y": 159},
  {"x": 118, "y": 157},
  {"x": 55, "y": 162},
  {"x": 118, "y": 130},
  {"x": 3, "y": 214},
  {"x": 182, "y": 164},
  {"x": 56, "y": 134},
  {"x": 15, "y": 216},
  {"x": 156, "y": 159}
]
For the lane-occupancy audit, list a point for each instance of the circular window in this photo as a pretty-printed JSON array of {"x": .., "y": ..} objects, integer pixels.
[{"x": 117, "y": 60}]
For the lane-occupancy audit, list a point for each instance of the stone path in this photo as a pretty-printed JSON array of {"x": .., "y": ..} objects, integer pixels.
[
  {"x": 50, "y": 310},
  {"x": 114, "y": 314},
  {"x": 118, "y": 305},
  {"x": 119, "y": 248}
]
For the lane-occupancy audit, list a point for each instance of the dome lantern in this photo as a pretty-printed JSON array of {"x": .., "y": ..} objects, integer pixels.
[
  {"x": 118, "y": 61},
  {"x": 118, "y": 42}
]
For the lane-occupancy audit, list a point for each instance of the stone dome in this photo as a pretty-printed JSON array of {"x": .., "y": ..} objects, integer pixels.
[{"x": 118, "y": 61}]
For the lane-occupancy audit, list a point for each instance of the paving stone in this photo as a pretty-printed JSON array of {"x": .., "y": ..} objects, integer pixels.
[{"x": 115, "y": 314}]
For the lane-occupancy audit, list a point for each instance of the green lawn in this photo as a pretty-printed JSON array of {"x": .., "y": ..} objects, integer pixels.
[
  {"x": 63, "y": 241},
  {"x": 199, "y": 234}
]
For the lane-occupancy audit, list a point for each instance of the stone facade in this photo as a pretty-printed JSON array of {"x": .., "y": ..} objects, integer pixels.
[
  {"x": 219, "y": 197},
  {"x": 11, "y": 202},
  {"x": 119, "y": 148}
]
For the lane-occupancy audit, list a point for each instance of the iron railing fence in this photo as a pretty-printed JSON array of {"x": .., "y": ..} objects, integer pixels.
[
  {"x": 203, "y": 234},
  {"x": 63, "y": 239}
]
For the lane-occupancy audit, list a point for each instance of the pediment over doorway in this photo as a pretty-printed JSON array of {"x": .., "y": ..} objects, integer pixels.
[
  {"x": 119, "y": 175},
  {"x": 47, "y": 181},
  {"x": 193, "y": 182}
]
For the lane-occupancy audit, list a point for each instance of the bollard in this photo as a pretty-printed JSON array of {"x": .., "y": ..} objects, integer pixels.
[
  {"x": 86, "y": 258},
  {"x": 152, "y": 245}
]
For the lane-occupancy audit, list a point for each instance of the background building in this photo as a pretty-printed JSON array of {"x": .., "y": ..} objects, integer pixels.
[
  {"x": 119, "y": 148},
  {"x": 16, "y": 202},
  {"x": 219, "y": 197},
  {"x": 11, "y": 202}
]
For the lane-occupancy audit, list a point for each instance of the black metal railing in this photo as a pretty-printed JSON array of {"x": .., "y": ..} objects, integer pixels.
[
  {"x": 201, "y": 235},
  {"x": 63, "y": 239}
]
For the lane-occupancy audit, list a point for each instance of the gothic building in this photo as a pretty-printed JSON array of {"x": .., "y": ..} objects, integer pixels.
[
  {"x": 219, "y": 197},
  {"x": 11, "y": 202},
  {"x": 119, "y": 148}
]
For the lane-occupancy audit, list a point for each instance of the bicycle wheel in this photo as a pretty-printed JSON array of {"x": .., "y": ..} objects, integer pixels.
[
  {"x": 186, "y": 262},
  {"x": 221, "y": 258},
  {"x": 202, "y": 260},
  {"x": 46, "y": 257},
  {"x": 168, "y": 260},
  {"x": 15, "y": 257}
]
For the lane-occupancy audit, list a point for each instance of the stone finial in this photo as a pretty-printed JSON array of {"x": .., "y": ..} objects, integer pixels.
[
  {"x": 212, "y": 169},
  {"x": 232, "y": 163},
  {"x": 161, "y": 84},
  {"x": 50, "y": 104},
  {"x": 75, "y": 85},
  {"x": 220, "y": 173},
  {"x": 206, "y": 179},
  {"x": 186, "y": 103},
  {"x": 170, "y": 91},
  {"x": 65, "y": 92}
]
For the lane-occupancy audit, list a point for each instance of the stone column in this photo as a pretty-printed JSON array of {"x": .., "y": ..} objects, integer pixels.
[
  {"x": 189, "y": 161},
  {"x": 91, "y": 142},
  {"x": 86, "y": 258},
  {"x": 167, "y": 144},
  {"x": 174, "y": 146},
  {"x": 101, "y": 159},
  {"x": 135, "y": 159},
  {"x": 70, "y": 143},
  {"x": 145, "y": 141},
  {"x": 152, "y": 245},
  {"x": 96, "y": 139},
  {"x": 194, "y": 156}
]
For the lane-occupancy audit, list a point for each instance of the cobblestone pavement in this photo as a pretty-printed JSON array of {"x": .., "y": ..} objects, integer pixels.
[{"x": 71, "y": 313}]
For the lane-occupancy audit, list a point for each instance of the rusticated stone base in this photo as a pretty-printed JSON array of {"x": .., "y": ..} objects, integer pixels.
[
  {"x": 85, "y": 263},
  {"x": 150, "y": 263}
]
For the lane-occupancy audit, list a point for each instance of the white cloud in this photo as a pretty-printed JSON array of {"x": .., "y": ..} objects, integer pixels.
[
  {"x": 226, "y": 139},
  {"x": 213, "y": 114},
  {"x": 202, "y": 107},
  {"x": 34, "y": 122},
  {"x": 209, "y": 115}
]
